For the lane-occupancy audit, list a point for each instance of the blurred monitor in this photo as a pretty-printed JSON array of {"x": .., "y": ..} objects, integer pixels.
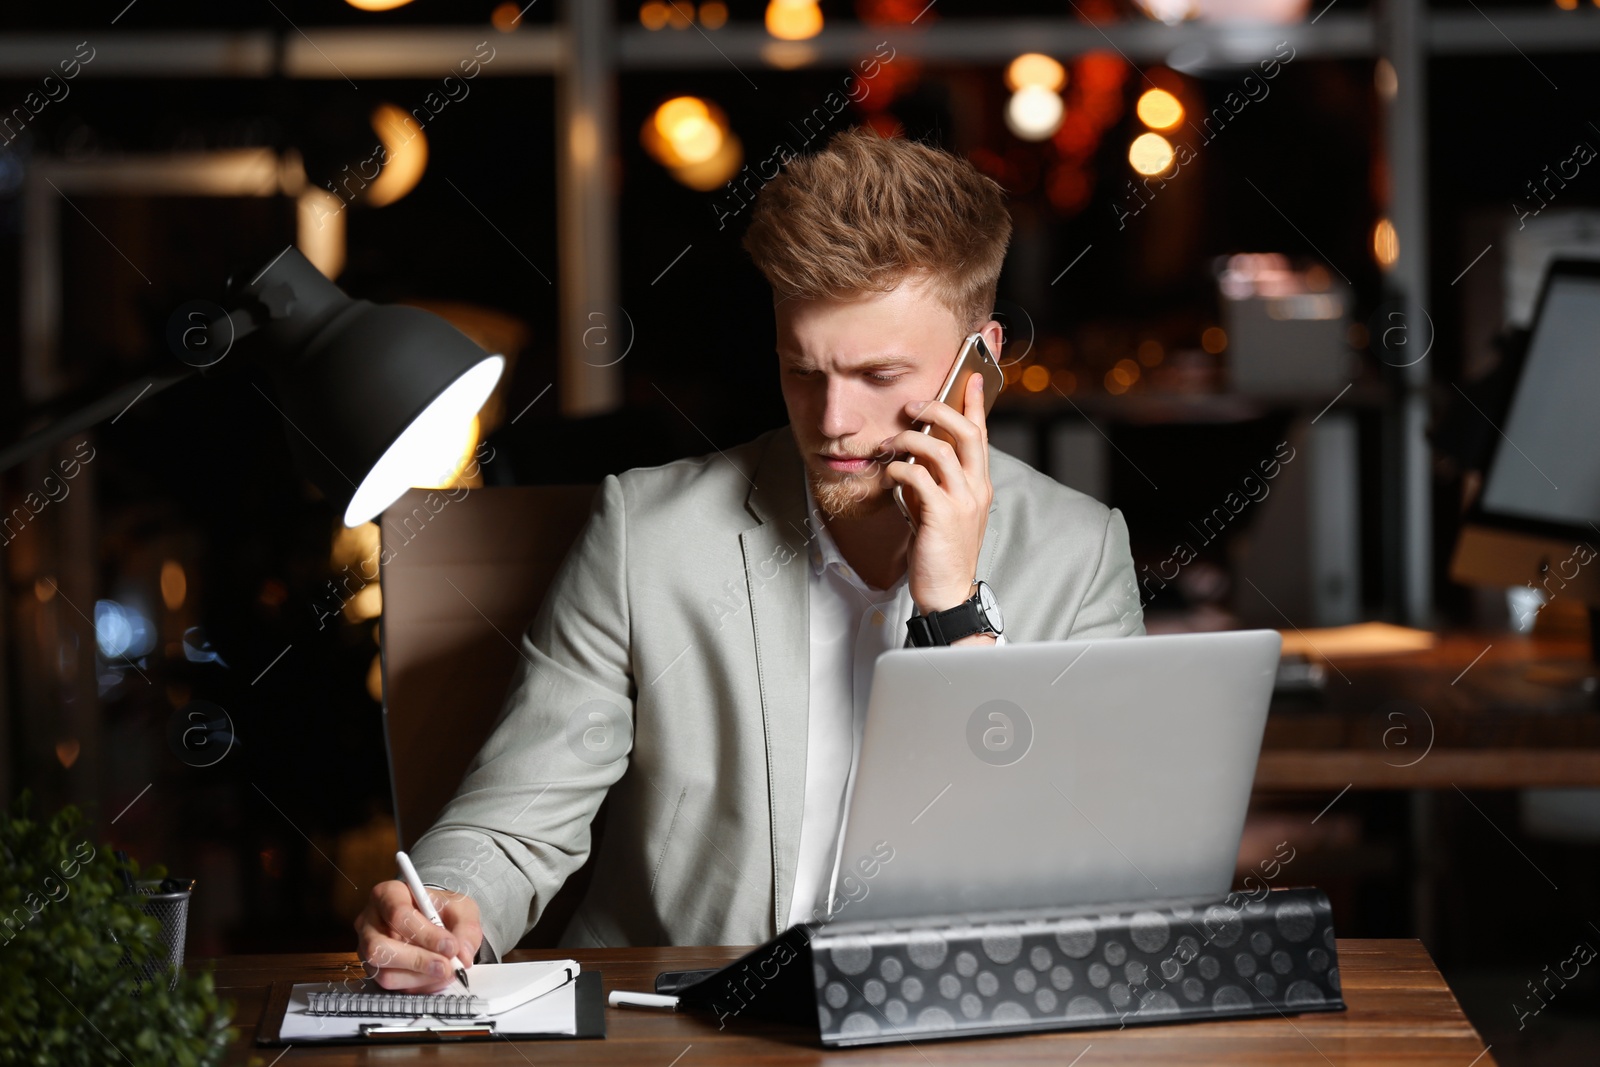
[
  {"x": 1285, "y": 324},
  {"x": 1537, "y": 519}
]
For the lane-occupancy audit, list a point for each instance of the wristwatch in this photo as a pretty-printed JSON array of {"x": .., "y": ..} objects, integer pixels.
[{"x": 978, "y": 614}]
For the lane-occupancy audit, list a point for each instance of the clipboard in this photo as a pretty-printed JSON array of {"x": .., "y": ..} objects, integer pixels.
[{"x": 590, "y": 1020}]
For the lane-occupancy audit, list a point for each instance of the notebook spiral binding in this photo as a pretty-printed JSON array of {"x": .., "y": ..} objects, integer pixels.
[{"x": 408, "y": 1005}]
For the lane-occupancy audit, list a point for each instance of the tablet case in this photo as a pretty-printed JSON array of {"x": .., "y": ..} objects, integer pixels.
[
  {"x": 882, "y": 982},
  {"x": 591, "y": 1021}
]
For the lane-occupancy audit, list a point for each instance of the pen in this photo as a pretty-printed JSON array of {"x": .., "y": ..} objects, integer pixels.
[
  {"x": 425, "y": 902},
  {"x": 622, "y": 999}
]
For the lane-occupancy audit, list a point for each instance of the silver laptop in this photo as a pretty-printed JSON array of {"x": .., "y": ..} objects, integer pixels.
[{"x": 1054, "y": 774}]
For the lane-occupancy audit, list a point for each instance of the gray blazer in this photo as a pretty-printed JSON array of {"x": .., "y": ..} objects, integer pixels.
[{"x": 669, "y": 665}]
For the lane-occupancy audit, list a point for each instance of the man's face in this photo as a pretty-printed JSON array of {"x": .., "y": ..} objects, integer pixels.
[{"x": 848, "y": 369}]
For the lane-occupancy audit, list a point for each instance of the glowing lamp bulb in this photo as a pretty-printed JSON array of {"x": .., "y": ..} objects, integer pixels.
[{"x": 428, "y": 446}]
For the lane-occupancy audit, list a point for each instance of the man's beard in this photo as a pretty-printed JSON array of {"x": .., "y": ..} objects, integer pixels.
[{"x": 849, "y": 496}]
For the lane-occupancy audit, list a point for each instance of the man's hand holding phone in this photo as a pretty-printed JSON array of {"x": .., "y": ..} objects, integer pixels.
[
  {"x": 408, "y": 952},
  {"x": 947, "y": 489}
]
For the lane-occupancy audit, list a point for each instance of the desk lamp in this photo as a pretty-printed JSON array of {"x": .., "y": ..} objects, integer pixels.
[{"x": 376, "y": 396}]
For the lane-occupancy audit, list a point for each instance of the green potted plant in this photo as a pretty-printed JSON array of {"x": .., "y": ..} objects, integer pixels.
[{"x": 71, "y": 942}]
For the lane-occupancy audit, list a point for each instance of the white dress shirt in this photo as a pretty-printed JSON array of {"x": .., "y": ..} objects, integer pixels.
[{"x": 851, "y": 624}]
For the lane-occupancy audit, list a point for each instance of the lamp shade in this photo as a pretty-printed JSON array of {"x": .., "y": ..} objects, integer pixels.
[{"x": 377, "y": 397}]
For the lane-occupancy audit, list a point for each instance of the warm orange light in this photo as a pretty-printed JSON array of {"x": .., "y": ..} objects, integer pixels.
[
  {"x": 794, "y": 20},
  {"x": 174, "y": 585},
  {"x": 375, "y": 678},
  {"x": 689, "y": 132},
  {"x": 713, "y": 14},
  {"x": 714, "y": 172},
  {"x": 1150, "y": 154},
  {"x": 1151, "y": 353},
  {"x": 1159, "y": 109},
  {"x": 1035, "y": 379},
  {"x": 1567, "y": 5},
  {"x": 1384, "y": 78},
  {"x": 353, "y": 547},
  {"x": 505, "y": 16},
  {"x": 1126, "y": 371},
  {"x": 654, "y": 15},
  {"x": 1114, "y": 385},
  {"x": 377, "y": 5},
  {"x": 1035, "y": 68},
  {"x": 1385, "y": 244},
  {"x": 690, "y": 137},
  {"x": 1214, "y": 339},
  {"x": 405, "y": 151},
  {"x": 366, "y": 604}
]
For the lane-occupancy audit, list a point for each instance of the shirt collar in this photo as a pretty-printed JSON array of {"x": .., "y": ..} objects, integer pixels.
[{"x": 824, "y": 551}]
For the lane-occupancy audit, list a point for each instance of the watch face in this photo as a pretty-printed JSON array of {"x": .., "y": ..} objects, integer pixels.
[{"x": 991, "y": 607}]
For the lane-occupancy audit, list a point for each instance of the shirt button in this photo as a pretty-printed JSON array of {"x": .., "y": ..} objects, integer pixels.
[{"x": 877, "y": 618}]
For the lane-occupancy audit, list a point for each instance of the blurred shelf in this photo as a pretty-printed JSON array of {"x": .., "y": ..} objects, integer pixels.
[
  {"x": 998, "y": 41},
  {"x": 341, "y": 53},
  {"x": 1152, "y": 408}
]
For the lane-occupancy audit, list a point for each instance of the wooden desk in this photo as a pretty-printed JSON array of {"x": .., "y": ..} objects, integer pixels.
[
  {"x": 1512, "y": 719},
  {"x": 1400, "y": 1012}
]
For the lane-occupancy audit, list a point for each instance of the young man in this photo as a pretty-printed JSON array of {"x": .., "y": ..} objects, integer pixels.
[{"x": 705, "y": 652}]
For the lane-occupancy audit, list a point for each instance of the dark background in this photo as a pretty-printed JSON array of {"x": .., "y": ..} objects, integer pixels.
[{"x": 201, "y": 474}]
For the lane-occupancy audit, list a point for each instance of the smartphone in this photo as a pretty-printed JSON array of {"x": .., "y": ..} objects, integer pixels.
[{"x": 974, "y": 358}]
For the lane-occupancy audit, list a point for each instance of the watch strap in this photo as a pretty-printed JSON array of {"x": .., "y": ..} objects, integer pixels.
[{"x": 948, "y": 626}]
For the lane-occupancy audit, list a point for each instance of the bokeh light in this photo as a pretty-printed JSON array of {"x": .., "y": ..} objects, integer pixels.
[
  {"x": 1035, "y": 68},
  {"x": 505, "y": 17},
  {"x": 405, "y": 151},
  {"x": 1150, "y": 154},
  {"x": 1034, "y": 113},
  {"x": 687, "y": 125},
  {"x": 1159, "y": 109},
  {"x": 794, "y": 20},
  {"x": 1385, "y": 244}
]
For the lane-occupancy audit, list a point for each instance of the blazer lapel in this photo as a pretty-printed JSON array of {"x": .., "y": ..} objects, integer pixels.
[{"x": 776, "y": 567}]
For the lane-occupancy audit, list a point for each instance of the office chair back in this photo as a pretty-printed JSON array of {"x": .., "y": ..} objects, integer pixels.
[{"x": 461, "y": 581}]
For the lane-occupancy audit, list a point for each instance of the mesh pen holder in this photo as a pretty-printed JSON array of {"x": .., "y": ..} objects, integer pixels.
[{"x": 171, "y": 909}]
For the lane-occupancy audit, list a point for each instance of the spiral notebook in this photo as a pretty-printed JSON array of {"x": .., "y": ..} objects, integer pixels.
[
  {"x": 530, "y": 999},
  {"x": 496, "y": 988}
]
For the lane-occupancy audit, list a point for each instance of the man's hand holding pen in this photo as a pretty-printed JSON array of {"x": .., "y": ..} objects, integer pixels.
[{"x": 408, "y": 952}]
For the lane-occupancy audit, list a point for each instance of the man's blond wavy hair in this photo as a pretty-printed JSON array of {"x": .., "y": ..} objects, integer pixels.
[{"x": 866, "y": 212}]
